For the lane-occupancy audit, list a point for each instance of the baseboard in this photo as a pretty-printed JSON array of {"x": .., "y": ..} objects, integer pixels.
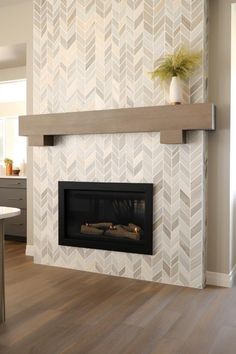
[
  {"x": 29, "y": 251},
  {"x": 221, "y": 279}
]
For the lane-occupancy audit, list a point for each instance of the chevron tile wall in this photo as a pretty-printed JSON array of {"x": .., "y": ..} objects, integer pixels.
[{"x": 96, "y": 54}]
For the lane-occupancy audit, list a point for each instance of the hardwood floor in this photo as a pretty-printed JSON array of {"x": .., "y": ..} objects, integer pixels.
[{"x": 53, "y": 310}]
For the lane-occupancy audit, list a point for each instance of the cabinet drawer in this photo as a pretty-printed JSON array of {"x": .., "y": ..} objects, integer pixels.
[
  {"x": 16, "y": 226},
  {"x": 13, "y": 183},
  {"x": 15, "y": 198}
]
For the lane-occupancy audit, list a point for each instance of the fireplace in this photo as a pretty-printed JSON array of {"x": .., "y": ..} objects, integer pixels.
[{"x": 108, "y": 216}]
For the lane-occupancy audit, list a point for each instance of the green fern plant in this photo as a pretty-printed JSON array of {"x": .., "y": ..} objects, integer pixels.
[{"x": 181, "y": 63}]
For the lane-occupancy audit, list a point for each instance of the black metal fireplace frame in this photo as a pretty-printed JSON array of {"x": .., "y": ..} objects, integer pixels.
[{"x": 143, "y": 247}]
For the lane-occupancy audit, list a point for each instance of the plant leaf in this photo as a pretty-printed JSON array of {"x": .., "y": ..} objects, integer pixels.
[{"x": 181, "y": 63}]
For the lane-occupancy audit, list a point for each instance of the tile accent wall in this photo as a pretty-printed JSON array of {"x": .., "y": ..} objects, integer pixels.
[{"x": 94, "y": 55}]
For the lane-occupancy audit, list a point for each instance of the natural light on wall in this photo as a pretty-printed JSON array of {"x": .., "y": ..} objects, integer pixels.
[{"x": 12, "y": 104}]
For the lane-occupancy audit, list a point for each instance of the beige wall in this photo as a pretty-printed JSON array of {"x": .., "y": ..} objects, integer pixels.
[
  {"x": 16, "y": 22},
  {"x": 17, "y": 27},
  {"x": 233, "y": 140},
  {"x": 17, "y": 73},
  {"x": 220, "y": 244}
]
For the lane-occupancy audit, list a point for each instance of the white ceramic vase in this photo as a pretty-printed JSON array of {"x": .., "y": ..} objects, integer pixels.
[{"x": 176, "y": 93}]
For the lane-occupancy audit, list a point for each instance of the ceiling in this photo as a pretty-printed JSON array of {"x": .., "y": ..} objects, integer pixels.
[
  {"x": 12, "y": 56},
  {"x": 11, "y": 2}
]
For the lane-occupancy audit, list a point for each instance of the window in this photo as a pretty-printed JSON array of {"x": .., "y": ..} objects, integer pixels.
[
  {"x": 1, "y": 139},
  {"x": 12, "y": 104},
  {"x": 12, "y": 145},
  {"x": 13, "y": 91}
]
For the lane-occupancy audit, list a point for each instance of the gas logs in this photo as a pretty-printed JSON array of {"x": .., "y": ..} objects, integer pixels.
[{"x": 130, "y": 231}]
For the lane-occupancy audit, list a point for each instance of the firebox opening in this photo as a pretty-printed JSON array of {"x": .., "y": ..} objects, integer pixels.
[{"x": 109, "y": 216}]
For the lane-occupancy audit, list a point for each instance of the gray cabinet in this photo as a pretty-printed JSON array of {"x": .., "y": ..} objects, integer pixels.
[{"x": 13, "y": 194}]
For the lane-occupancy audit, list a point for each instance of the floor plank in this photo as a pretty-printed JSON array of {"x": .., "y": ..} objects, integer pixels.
[{"x": 60, "y": 311}]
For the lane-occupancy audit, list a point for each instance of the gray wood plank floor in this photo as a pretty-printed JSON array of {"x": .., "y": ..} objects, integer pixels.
[{"x": 53, "y": 310}]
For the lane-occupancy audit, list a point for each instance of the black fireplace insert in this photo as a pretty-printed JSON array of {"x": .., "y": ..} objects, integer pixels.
[{"x": 108, "y": 216}]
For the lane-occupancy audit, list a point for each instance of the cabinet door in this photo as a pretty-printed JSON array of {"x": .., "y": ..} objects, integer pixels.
[
  {"x": 13, "y": 183},
  {"x": 16, "y": 226},
  {"x": 15, "y": 198}
]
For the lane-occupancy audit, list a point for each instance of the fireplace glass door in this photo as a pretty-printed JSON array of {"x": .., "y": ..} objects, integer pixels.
[{"x": 109, "y": 216}]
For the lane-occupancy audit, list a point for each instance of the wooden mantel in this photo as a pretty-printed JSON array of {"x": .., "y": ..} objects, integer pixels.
[{"x": 171, "y": 121}]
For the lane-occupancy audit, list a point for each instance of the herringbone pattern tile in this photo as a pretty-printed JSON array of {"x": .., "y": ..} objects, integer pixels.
[{"x": 96, "y": 54}]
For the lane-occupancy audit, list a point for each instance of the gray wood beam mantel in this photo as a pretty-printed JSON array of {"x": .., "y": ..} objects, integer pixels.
[{"x": 171, "y": 121}]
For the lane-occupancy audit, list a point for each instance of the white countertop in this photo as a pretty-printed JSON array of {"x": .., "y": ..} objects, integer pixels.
[
  {"x": 6, "y": 212},
  {"x": 12, "y": 177}
]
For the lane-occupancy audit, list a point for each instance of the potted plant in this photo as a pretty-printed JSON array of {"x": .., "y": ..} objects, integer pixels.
[
  {"x": 177, "y": 67},
  {"x": 16, "y": 171},
  {"x": 8, "y": 165}
]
